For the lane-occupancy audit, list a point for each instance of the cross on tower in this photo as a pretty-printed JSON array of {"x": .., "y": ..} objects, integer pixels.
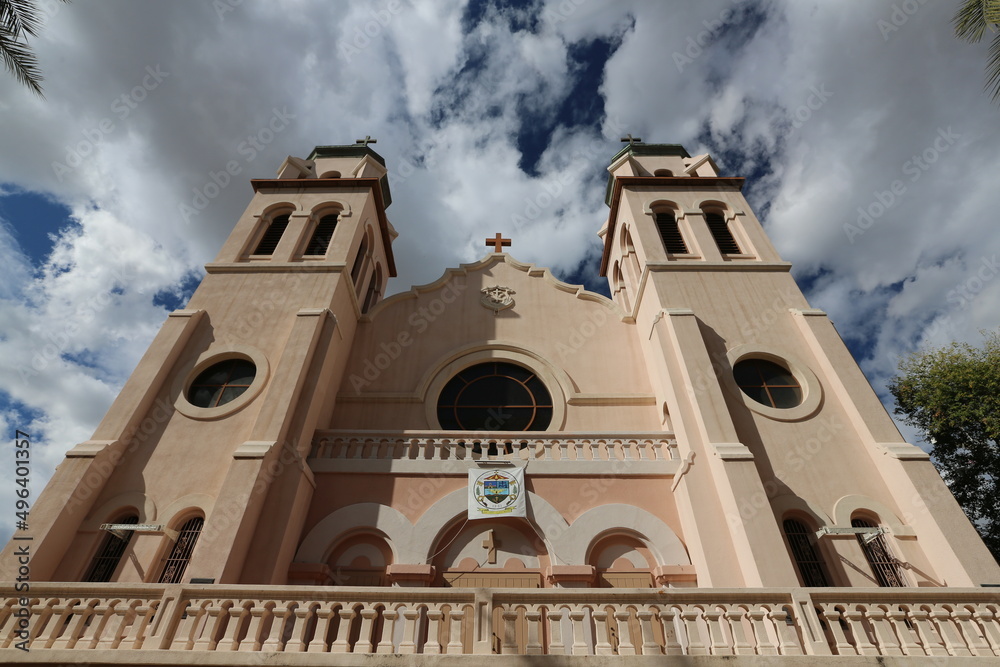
[
  {"x": 631, "y": 140},
  {"x": 367, "y": 140},
  {"x": 498, "y": 242}
]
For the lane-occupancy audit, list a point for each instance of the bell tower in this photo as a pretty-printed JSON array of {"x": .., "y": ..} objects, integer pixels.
[
  {"x": 208, "y": 438},
  {"x": 783, "y": 439}
]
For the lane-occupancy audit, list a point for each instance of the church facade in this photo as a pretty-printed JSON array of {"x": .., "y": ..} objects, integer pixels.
[{"x": 498, "y": 461}]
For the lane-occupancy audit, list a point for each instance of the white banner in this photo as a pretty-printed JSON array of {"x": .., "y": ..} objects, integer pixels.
[{"x": 497, "y": 492}]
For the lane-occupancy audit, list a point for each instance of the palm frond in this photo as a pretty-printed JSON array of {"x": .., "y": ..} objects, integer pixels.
[
  {"x": 20, "y": 19},
  {"x": 21, "y": 62},
  {"x": 17, "y": 16},
  {"x": 970, "y": 20},
  {"x": 993, "y": 69}
]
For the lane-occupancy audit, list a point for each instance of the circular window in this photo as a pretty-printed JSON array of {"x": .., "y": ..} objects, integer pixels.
[
  {"x": 768, "y": 383},
  {"x": 495, "y": 396},
  {"x": 221, "y": 383}
]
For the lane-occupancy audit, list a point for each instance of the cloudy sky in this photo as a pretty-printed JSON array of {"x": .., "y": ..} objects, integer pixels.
[{"x": 871, "y": 150}]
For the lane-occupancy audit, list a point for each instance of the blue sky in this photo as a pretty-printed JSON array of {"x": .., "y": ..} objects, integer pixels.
[{"x": 492, "y": 116}]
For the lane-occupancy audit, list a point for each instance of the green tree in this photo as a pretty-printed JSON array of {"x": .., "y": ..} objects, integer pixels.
[
  {"x": 970, "y": 22},
  {"x": 953, "y": 395},
  {"x": 20, "y": 19}
]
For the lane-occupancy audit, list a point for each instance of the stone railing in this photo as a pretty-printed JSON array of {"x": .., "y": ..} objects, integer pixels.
[
  {"x": 650, "y": 453},
  {"x": 720, "y": 622}
]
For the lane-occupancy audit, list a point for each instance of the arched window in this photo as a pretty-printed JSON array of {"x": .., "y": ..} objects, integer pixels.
[
  {"x": 330, "y": 174},
  {"x": 180, "y": 554},
  {"x": 106, "y": 560},
  {"x": 495, "y": 396},
  {"x": 673, "y": 241},
  {"x": 807, "y": 559},
  {"x": 374, "y": 288},
  {"x": 269, "y": 241},
  {"x": 359, "y": 261},
  {"x": 720, "y": 232},
  {"x": 663, "y": 172},
  {"x": 320, "y": 240},
  {"x": 884, "y": 566}
]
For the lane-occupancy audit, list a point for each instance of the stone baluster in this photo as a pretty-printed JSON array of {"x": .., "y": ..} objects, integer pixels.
[
  {"x": 741, "y": 645},
  {"x": 385, "y": 644},
  {"x": 578, "y": 449},
  {"x": 9, "y": 623},
  {"x": 117, "y": 623},
  {"x": 974, "y": 638},
  {"x": 184, "y": 636},
  {"x": 907, "y": 637},
  {"x": 930, "y": 638},
  {"x": 99, "y": 617},
  {"x": 341, "y": 644},
  {"x": 556, "y": 644},
  {"x": 649, "y": 645},
  {"x": 453, "y": 632},
  {"x": 887, "y": 642},
  {"x": 301, "y": 615},
  {"x": 644, "y": 448},
  {"x": 855, "y": 620},
  {"x": 671, "y": 646},
  {"x": 366, "y": 637},
  {"x": 547, "y": 447},
  {"x": 357, "y": 448},
  {"x": 603, "y": 644},
  {"x": 236, "y": 613},
  {"x": 61, "y": 617},
  {"x": 433, "y": 644},
  {"x": 11, "y": 631},
  {"x": 252, "y": 641},
  {"x": 720, "y": 644},
  {"x": 949, "y": 632},
  {"x": 596, "y": 446},
  {"x": 47, "y": 624},
  {"x": 628, "y": 450},
  {"x": 579, "y": 645},
  {"x": 988, "y": 621},
  {"x": 626, "y": 642},
  {"x": 139, "y": 634},
  {"x": 409, "y": 643},
  {"x": 7, "y": 619},
  {"x": 764, "y": 644},
  {"x": 696, "y": 646},
  {"x": 279, "y": 619},
  {"x": 76, "y": 626},
  {"x": 534, "y": 643},
  {"x": 785, "y": 627},
  {"x": 509, "y": 646},
  {"x": 535, "y": 450},
  {"x": 324, "y": 619}
]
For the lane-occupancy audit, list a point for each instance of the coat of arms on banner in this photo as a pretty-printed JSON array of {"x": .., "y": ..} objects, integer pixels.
[{"x": 496, "y": 493}]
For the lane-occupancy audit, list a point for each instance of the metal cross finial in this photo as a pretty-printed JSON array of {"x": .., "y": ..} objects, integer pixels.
[
  {"x": 631, "y": 140},
  {"x": 498, "y": 242},
  {"x": 367, "y": 140}
]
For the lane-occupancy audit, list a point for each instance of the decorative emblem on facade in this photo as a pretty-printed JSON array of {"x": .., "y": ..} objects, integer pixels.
[
  {"x": 497, "y": 298},
  {"x": 498, "y": 492}
]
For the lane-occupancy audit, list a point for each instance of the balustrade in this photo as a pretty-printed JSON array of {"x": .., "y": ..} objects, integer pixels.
[
  {"x": 446, "y": 446},
  {"x": 723, "y": 622}
]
